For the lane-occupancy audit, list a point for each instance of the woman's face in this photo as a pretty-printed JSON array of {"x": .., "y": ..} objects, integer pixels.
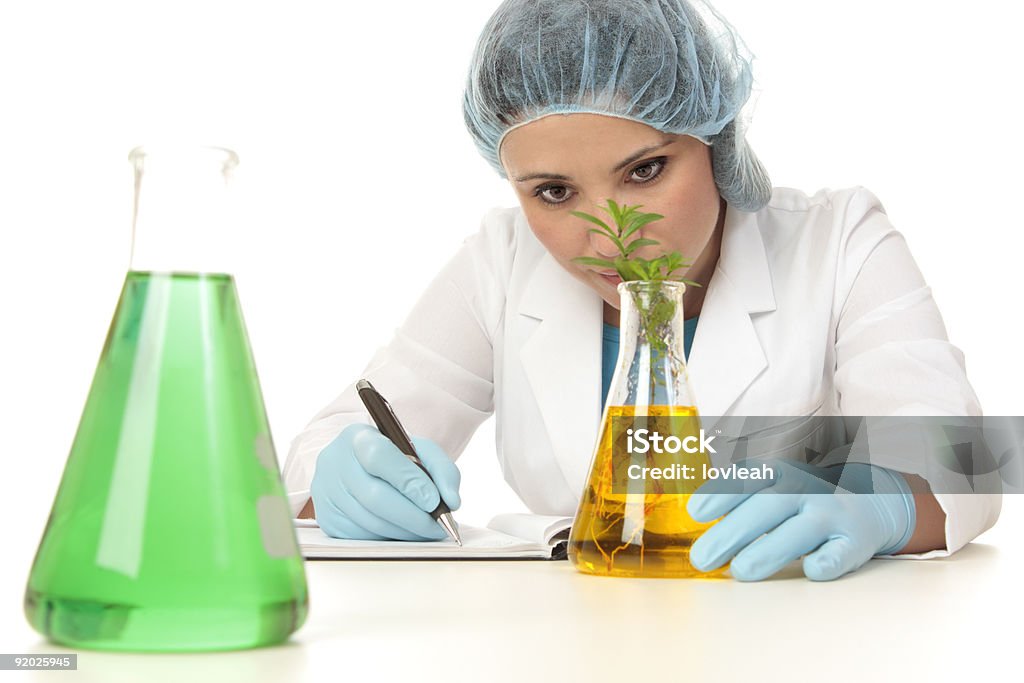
[{"x": 576, "y": 162}]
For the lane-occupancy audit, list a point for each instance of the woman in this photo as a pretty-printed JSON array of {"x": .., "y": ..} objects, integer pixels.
[{"x": 807, "y": 305}]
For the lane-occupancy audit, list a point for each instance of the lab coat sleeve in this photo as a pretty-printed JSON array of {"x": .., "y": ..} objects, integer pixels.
[
  {"x": 437, "y": 370},
  {"x": 893, "y": 356}
]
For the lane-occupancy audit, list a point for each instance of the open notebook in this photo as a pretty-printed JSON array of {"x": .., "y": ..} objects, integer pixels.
[{"x": 507, "y": 536}]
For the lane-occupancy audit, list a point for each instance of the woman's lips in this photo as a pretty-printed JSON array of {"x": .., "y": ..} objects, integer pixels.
[{"x": 613, "y": 278}]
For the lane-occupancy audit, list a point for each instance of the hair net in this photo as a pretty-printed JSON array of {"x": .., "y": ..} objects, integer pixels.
[{"x": 675, "y": 65}]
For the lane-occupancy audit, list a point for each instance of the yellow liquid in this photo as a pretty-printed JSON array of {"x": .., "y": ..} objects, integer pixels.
[{"x": 639, "y": 529}]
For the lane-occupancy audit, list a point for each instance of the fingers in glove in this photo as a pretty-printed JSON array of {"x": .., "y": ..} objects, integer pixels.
[
  {"x": 717, "y": 497},
  {"x": 377, "y": 506},
  {"x": 792, "y": 539},
  {"x": 836, "y": 557},
  {"x": 758, "y": 515},
  {"x": 442, "y": 470},
  {"x": 336, "y": 524},
  {"x": 380, "y": 458}
]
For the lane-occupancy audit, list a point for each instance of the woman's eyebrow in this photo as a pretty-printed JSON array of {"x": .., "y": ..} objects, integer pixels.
[{"x": 625, "y": 162}]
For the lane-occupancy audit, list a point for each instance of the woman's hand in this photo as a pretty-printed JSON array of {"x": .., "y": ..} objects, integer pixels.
[
  {"x": 365, "y": 488},
  {"x": 803, "y": 514}
]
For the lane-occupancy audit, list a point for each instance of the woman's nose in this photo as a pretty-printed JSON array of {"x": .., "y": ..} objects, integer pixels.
[{"x": 603, "y": 245}]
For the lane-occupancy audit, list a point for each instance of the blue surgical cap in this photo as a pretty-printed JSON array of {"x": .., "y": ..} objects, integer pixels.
[{"x": 675, "y": 65}]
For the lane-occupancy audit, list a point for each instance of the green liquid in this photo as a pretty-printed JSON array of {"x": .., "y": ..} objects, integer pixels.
[{"x": 170, "y": 530}]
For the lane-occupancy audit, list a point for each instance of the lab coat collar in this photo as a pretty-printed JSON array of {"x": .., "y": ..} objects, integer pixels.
[{"x": 562, "y": 358}]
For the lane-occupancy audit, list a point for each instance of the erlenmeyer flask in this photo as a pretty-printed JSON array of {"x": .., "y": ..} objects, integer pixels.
[
  {"x": 632, "y": 518},
  {"x": 170, "y": 530}
]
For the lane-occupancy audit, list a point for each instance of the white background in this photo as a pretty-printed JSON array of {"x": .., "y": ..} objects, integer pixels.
[{"x": 358, "y": 181}]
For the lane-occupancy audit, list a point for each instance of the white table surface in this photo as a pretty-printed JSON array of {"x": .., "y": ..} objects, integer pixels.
[{"x": 943, "y": 619}]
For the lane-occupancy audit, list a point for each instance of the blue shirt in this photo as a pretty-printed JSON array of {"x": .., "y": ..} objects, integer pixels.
[{"x": 610, "y": 351}]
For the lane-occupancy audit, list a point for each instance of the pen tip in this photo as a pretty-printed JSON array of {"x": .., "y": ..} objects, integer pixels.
[{"x": 448, "y": 523}]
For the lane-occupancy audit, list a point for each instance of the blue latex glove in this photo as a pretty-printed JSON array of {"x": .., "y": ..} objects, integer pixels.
[
  {"x": 803, "y": 515},
  {"x": 365, "y": 488}
]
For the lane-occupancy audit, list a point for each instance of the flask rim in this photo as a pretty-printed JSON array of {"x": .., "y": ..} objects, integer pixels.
[
  {"x": 182, "y": 151},
  {"x": 649, "y": 285}
]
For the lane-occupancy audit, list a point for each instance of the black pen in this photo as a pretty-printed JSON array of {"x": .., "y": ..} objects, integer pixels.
[{"x": 388, "y": 425}]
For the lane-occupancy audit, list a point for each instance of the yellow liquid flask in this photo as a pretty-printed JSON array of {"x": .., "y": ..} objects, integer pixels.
[
  {"x": 632, "y": 519},
  {"x": 170, "y": 530}
]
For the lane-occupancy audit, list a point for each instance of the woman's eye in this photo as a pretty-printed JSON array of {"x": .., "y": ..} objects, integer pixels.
[
  {"x": 553, "y": 194},
  {"x": 647, "y": 171}
]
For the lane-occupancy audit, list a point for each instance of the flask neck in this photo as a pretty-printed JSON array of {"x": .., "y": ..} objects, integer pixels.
[
  {"x": 180, "y": 221},
  {"x": 651, "y": 368}
]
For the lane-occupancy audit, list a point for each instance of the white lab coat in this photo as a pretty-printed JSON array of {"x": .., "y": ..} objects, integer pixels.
[{"x": 816, "y": 307}]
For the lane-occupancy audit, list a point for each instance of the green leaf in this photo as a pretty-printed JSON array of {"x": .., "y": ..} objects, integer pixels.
[
  {"x": 657, "y": 265},
  {"x": 641, "y": 267},
  {"x": 640, "y": 221},
  {"x": 633, "y": 269},
  {"x": 636, "y": 244},
  {"x": 591, "y": 261},
  {"x": 595, "y": 220},
  {"x": 615, "y": 212},
  {"x": 628, "y": 220}
]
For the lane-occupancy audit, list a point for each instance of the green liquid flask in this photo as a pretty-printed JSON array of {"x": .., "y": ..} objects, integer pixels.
[{"x": 170, "y": 530}]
